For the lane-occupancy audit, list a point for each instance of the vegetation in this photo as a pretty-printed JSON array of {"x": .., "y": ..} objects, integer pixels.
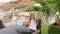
[
  {"x": 54, "y": 29},
  {"x": 50, "y": 8}
]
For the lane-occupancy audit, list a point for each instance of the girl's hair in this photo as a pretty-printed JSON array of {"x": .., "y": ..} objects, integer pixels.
[{"x": 32, "y": 16}]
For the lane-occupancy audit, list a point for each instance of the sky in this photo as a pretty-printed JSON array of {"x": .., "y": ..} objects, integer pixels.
[{"x": 5, "y": 1}]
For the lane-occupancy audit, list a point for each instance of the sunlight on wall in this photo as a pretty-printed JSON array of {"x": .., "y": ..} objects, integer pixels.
[{"x": 5, "y": 1}]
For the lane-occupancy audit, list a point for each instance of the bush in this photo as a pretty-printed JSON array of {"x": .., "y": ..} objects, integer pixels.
[{"x": 54, "y": 29}]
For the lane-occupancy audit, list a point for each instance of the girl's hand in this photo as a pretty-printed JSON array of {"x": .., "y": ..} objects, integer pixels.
[{"x": 26, "y": 23}]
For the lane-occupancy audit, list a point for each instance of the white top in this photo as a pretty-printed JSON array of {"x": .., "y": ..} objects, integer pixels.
[{"x": 33, "y": 25}]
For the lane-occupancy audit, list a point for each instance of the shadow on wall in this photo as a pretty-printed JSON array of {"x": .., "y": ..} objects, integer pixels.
[{"x": 1, "y": 24}]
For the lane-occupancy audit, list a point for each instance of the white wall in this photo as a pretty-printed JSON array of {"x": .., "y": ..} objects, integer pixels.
[{"x": 4, "y": 1}]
